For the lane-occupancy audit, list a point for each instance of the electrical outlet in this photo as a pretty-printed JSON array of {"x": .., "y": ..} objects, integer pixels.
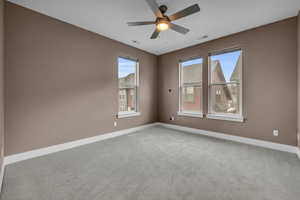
[
  {"x": 275, "y": 133},
  {"x": 115, "y": 123}
]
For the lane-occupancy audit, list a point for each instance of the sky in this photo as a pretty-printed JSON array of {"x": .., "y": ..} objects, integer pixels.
[
  {"x": 227, "y": 60},
  {"x": 192, "y": 62},
  {"x": 126, "y": 67}
]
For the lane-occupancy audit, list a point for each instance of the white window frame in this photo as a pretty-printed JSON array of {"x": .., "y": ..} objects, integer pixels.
[
  {"x": 136, "y": 87},
  {"x": 180, "y": 85},
  {"x": 224, "y": 116}
]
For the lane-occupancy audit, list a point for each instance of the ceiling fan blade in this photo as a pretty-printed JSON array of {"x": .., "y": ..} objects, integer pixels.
[
  {"x": 185, "y": 12},
  {"x": 155, "y": 34},
  {"x": 179, "y": 29},
  {"x": 155, "y": 8},
  {"x": 139, "y": 23}
]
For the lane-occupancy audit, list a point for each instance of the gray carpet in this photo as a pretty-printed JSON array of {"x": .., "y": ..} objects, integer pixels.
[{"x": 157, "y": 164}]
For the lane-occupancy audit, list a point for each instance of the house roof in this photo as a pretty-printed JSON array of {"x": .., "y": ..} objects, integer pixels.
[{"x": 235, "y": 74}]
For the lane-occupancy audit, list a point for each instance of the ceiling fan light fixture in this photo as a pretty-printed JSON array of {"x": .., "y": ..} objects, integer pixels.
[
  {"x": 162, "y": 26},
  {"x": 164, "y": 22}
]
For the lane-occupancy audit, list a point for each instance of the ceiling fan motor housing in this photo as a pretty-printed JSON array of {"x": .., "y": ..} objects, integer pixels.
[{"x": 163, "y": 9}]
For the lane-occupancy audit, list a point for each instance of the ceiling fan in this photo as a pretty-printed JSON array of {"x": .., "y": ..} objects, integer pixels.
[{"x": 164, "y": 22}]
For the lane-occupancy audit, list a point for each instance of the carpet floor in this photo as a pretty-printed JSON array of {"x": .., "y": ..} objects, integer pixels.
[{"x": 157, "y": 164}]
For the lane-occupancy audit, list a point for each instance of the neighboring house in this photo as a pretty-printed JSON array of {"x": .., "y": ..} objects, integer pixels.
[
  {"x": 224, "y": 98},
  {"x": 221, "y": 96},
  {"x": 126, "y": 93}
]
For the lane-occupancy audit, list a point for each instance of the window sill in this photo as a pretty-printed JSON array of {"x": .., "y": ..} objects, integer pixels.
[
  {"x": 226, "y": 117},
  {"x": 190, "y": 114},
  {"x": 128, "y": 114}
]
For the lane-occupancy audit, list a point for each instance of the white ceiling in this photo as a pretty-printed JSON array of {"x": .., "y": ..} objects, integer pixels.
[{"x": 217, "y": 18}]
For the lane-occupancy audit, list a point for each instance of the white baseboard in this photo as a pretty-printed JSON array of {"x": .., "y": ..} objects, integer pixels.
[
  {"x": 69, "y": 145},
  {"x": 298, "y": 153},
  {"x": 2, "y": 175},
  {"x": 255, "y": 142}
]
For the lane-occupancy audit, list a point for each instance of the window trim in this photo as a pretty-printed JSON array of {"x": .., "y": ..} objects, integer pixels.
[
  {"x": 226, "y": 116},
  {"x": 137, "y": 88},
  {"x": 190, "y": 114},
  {"x": 180, "y": 111},
  {"x": 128, "y": 114}
]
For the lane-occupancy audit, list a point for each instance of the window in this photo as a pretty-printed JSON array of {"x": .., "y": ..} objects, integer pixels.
[
  {"x": 190, "y": 88},
  {"x": 128, "y": 86},
  {"x": 225, "y": 85}
]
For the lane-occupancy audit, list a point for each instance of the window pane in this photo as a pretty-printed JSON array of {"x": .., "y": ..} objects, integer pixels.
[
  {"x": 127, "y": 73},
  {"x": 225, "y": 98},
  {"x": 127, "y": 84},
  {"x": 191, "y": 85},
  {"x": 226, "y": 67},
  {"x": 127, "y": 100},
  {"x": 191, "y": 71},
  {"x": 191, "y": 98}
]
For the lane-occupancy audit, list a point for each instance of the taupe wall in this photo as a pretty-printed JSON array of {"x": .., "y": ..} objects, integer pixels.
[
  {"x": 61, "y": 82},
  {"x": 1, "y": 81},
  {"x": 299, "y": 77},
  {"x": 270, "y": 83}
]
